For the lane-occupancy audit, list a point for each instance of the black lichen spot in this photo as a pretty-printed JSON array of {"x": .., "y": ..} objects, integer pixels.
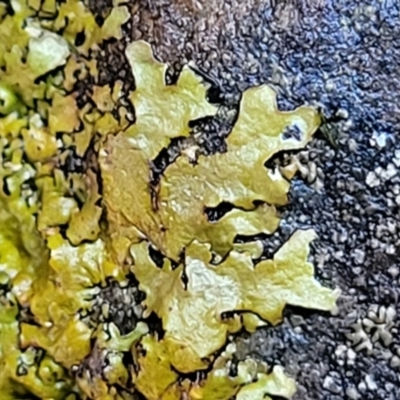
[
  {"x": 80, "y": 38},
  {"x": 216, "y": 213},
  {"x": 156, "y": 256}
]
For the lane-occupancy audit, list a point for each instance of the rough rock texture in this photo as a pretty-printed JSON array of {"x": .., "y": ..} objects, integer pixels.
[{"x": 344, "y": 57}]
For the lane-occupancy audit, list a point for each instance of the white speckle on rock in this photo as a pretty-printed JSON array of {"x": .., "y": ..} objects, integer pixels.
[
  {"x": 390, "y": 314},
  {"x": 351, "y": 355},
  {"x": 352, "y": 393},
  {"x": 379, "y": 140},
  {"x": 329, "y": 85},
  {"x": 340, "y": 350},
  {"x": 362, "y": 387},
  {"x": 342, "y": 113},
  {"x": 389, "y": 172},
  {"x": 359, "y": 256},
  {"x": 298, "y": 330},
  {"x": 390, "y": 249},
  {"x": 331, "y": 385},
  {"x": 360, "y": 338},
  {"x": 353, "y": 146},
  {"x": 372, "y": 180},
  {"x": 394, "y": 271},
  {"x": 371, "y": 384},
  {"x": 347, "y": 125},
  {"x": 396, "y": 158},
  {"x": 395, "y": 362}
]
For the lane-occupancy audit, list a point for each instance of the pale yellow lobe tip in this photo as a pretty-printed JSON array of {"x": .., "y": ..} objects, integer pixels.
[
  {"x": 47, "y": 52},
  {"x": 140, "y": 55}
]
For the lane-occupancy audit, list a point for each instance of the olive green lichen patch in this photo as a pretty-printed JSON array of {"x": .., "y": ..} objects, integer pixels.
[
  {"x": 20, "y": 374},
  {"x": 174, "y": 216},
  {"x": 252, "y": 381},
  {"x": 79, "y": 208},
  {"x": 41, "y": 272},
  {"x": 192, "y": 298}
]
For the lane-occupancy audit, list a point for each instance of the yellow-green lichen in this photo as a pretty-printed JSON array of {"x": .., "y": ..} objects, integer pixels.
[{"x": 64, "y": 233}]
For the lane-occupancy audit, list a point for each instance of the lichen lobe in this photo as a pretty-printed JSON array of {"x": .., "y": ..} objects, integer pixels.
[{"x": 177, "y": 215}]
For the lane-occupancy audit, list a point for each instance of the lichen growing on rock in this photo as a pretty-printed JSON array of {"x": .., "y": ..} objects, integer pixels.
[{"x": 79, "y": 208}]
